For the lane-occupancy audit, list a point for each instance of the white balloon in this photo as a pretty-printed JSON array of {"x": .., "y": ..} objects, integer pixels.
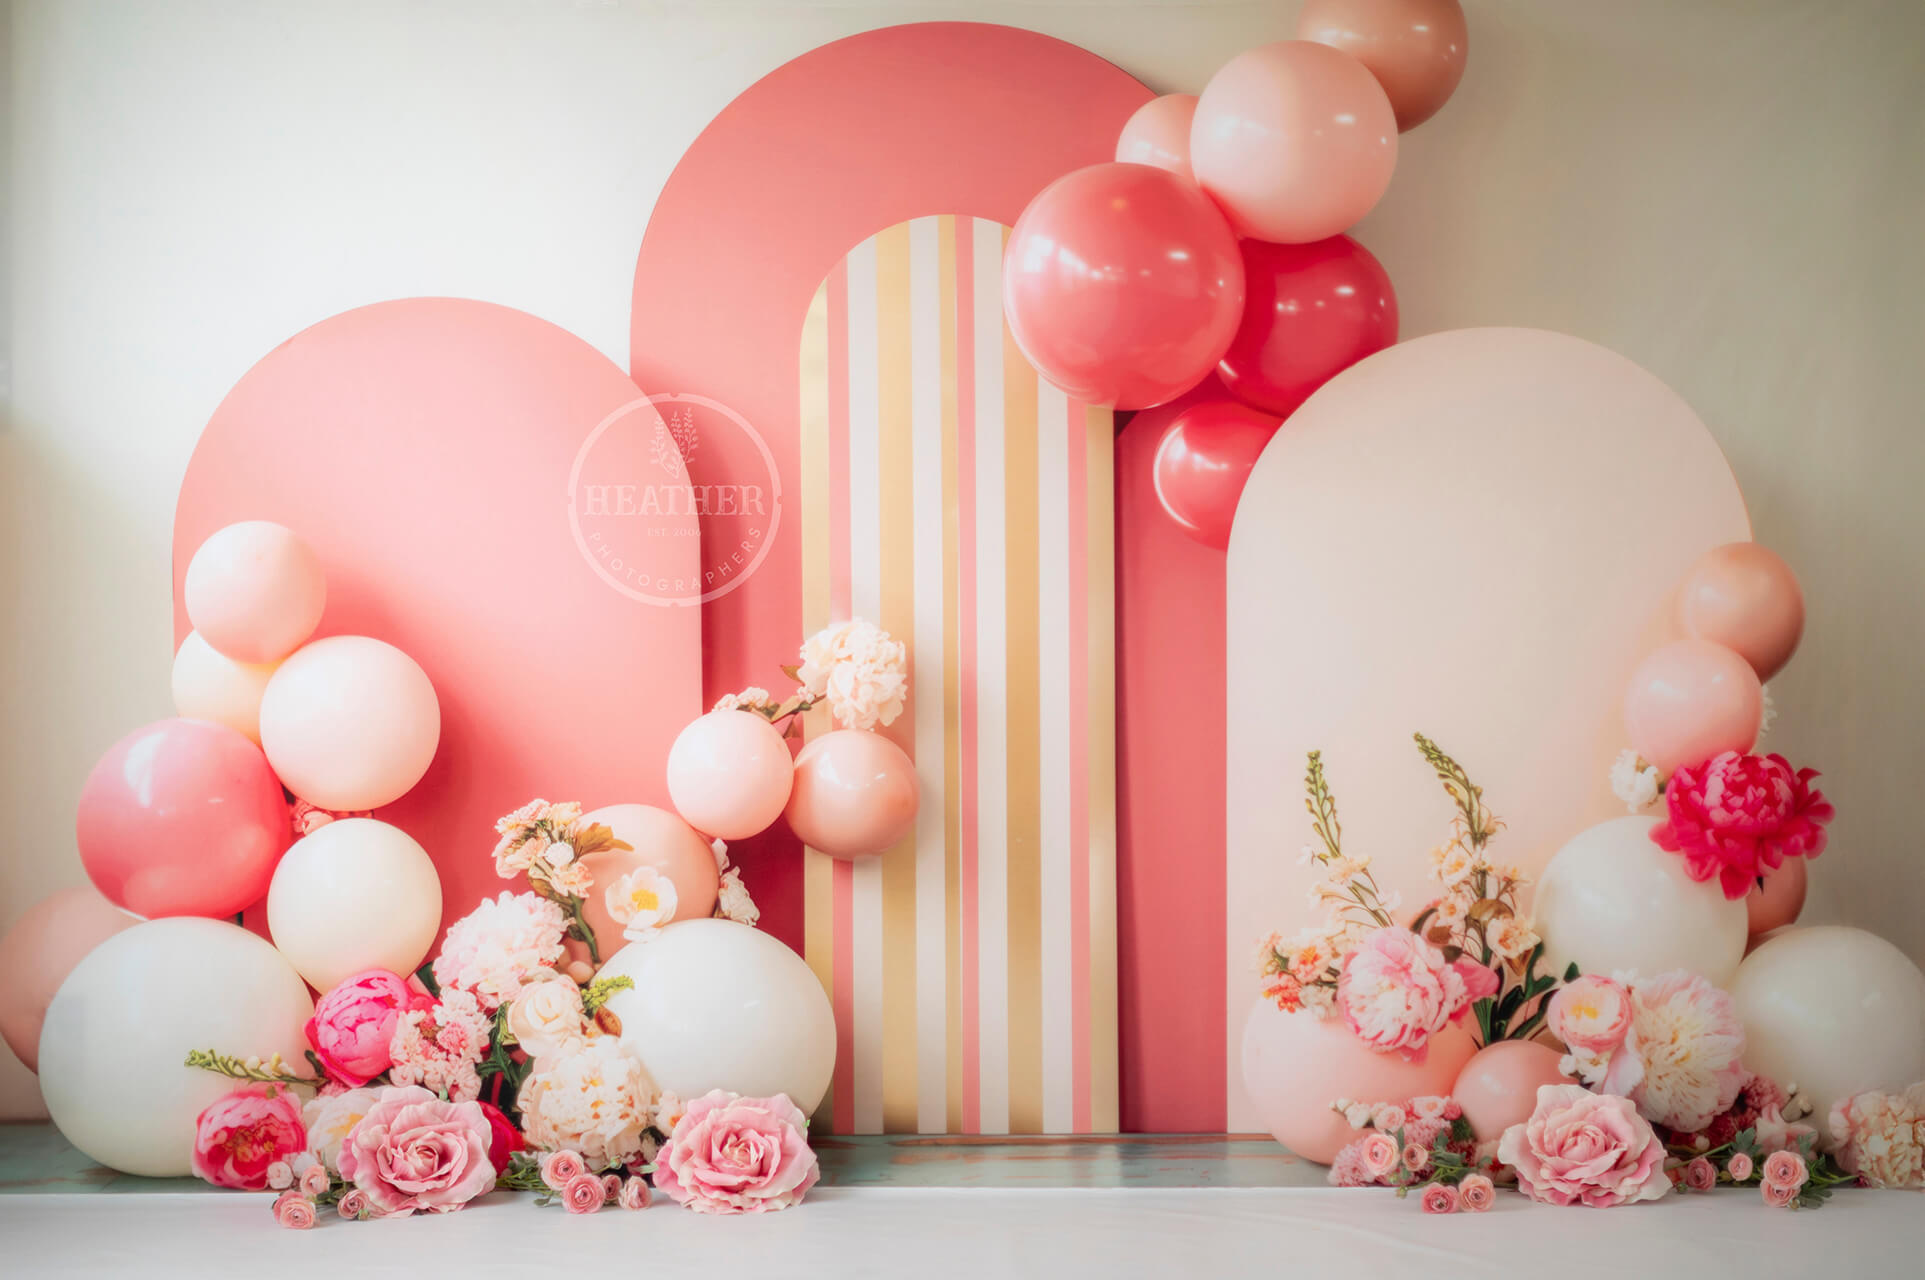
[
  {"x": 115, "y": 1043},
  {"x": 357, "y": 894},
  {"x": 719, "y": 1005},
  {"x": 209, "y": 685},
  {"x": 1833, "y": 1011},
  {"x": 1612, "y": 900}
]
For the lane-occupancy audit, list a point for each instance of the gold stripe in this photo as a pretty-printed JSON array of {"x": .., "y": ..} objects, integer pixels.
[
  {"x": 1023, "y": 748},
  {"x": 818, "y": 896},
  {"x": 1100, "y": 560},
  {"x": 951, "y": 666},
  {"x": 895, "y": 473}
]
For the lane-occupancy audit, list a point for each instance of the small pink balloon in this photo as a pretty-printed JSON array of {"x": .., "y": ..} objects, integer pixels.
[
  {"x": 1159, "y": 134},
  {"x": 1498, "y": 1087},
  {"x": 1296, "y": 1064},
  {"x": 1744, "y": 597},
  {"x": 659, "y": 839},
  {"x": 729, "y": 774},
  {"x": 38, "y": 953},
  {"x": 350, "y": 723},
  {"x": 182, "y": 818},
  {"x": 1780, "y": 900},
  {"x": 1415, "y": 48},
  {"x": 255, "y": 591},
  {"x": 1294, "y": 140},
  {"x": 1690, "y": 701},
  {"x": 855, "y": 794}
]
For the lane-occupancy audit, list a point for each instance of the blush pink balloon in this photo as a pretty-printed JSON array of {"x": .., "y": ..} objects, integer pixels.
[
  {"x": 1415, "y": 48},
  {"x": 1691, "y": 700},
  {"x": 1744, "y": 597},
  {"x": 182, "y": 818},
  {"x": 1780, "y": 900},
  {"x": 855, "y": 794},
  {"x": 1296, "y": 1064},
  {"x": 38, "y": 953},
  {"x": 350, "y": 723},
  {"x": 1159, "y": 134},
  {"x": 1294, "y": 140},
  {"x": 729, "y": 774},
  {"x": 255, "y": 591},
  {"x": 1122, "y": 284},
  {"x": 1498, "y": 1087},
  {"x": 659, "y": 839}
]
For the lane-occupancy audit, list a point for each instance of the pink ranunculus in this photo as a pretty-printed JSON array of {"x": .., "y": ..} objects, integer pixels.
[
  {"x": 634, "y": 1194},
  {"x": 738, "y": 1155},
  {"x": 414, "y": 1153},
  {"x": 1739, "y": 1167},
  {"x": 354, "y": 1023},
  {"x": 294, "y": 1210},
  {"x": 1700, "y": 1175},
  {"x": 1778, "y": 1197},
  {"x": 503, "y": 1138},
  {"x": 1476, "y": 1193},
  {"x": 1397, "y": 991},
  {"x": 1440, "y": 1197},
  {"x": 1585, "y": 1148},
  {"x": 1737, "y": 817},
  {"x": 559, "y": 1168},
  {"x": 584, "y": 1194},
  {"x": 1785, "y": 1169},
  {"x": 1591, "y": 1014},
  {"x": 1416, "y": 1157},
  {"x": 239, "y": 1138},
  {"x": 1379, "y": 1153},
  {"x": 315, "y": 1180},
  {"x": 353, "y": 1205}
]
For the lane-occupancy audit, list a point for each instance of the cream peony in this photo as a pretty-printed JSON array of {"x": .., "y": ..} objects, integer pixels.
[
  {"x": 331, "y": 1118},
  {"x": 1881, "y": 1137},
  {"x": 1681, "y": 1063},
  {"x": 595, "y": 1100},
  {"x": 859, "y": 669}
]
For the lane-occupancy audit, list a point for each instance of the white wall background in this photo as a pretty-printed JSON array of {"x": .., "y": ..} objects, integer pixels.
[{"x": 1731, "y": 192}]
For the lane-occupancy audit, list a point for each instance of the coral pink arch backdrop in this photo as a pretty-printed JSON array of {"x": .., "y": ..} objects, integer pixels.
[{"x": 423, "y": 448}]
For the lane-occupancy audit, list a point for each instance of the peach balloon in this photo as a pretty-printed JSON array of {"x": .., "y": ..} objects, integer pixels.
[
  {"x": 1746, "y": 598},
  {"x": 1415, "y": 48},
  {"x": 350, "y": 723},
  {"x": 658, "y": 839},
  {"x": 1691, "y": 700},
  {"x": 38, "y": 953},
  {"x": 1294, "y": 140},
  {"x": 1296, "y": 1064},
  {"x": 1159, "y": 134},
  {"x": 255, "y": 591},
  {"x": 1498, "y": 1087},
  {"x": 356, "y": 894},
  {"x": 1780, "y": 900},
  {"x": 729, "y": 774},
  {"x": 855, "y": 794},
  {"x": 209, "y": 685}
]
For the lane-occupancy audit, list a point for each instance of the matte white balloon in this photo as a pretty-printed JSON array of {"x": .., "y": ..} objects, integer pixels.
[
  {"x": 1611, "y": 900},
  {"x": 115, "y": 1043},
  {"x": 719, "y": 1005},
  {"x": 357, "y": 894},
  {"x": 1833, "y": 1011}
]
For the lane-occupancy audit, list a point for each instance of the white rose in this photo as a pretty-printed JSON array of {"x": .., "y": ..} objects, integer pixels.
[{"x": 547, "y": 1017}]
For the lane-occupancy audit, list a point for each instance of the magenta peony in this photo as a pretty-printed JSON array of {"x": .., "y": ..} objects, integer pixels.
[
  {"x": 1737, "y": 817},
  {"x": 251, "y": 1130},
  {"x": 737, "y": 1155},
  {"x": 1585, "y": 1148},
  {"x": 414, "y": 1153},
  {"x": 1397, "y": 991},
  {"x": 353, "y": 1023}
]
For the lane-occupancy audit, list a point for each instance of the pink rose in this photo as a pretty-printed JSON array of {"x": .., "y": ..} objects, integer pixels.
[
  {"x": 353, "y": 1024},
  {"x": 1380, "y": 1154},
  {"x": 738, "y": 1155},
  {"x": 1785, "y": 1169},
  {"x": 1739, "y": 1167},
  {"x": 294, "y": 1210},
  {"x": 1397, "y": 991},
  {"x": 353, "y": 1205},
  {"x": 1586, "y": 1148},
  {"x": 1738, "y": 816},
  {"x": 584, "y": 1194},
  {"x": 634, "y": 1194},
  {"x": 1700, "y": 1175},
  {"x": 412, "y": 1152},
  {"x": 559, "y": 1168},
  {"x": 1440, "y": 1197},
  {"x": 1476, "y": 1193},
  {"x": 239, "y": 1138},
  {"x": 1777, "y": 1197},
  {"x": 1590, "y": 1014}
]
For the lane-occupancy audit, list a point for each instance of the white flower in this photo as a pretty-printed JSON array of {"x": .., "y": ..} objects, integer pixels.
[
  {"x": 559, "y": 854},
  {"x": 1770, "y": 712},
  {"x": 330, "y": 1119},
  {"x": 859, "y": 669},
  {"x": 546, "y": 1018},
  {"x": 1452, "y": 863},
  {"x": 1633, "y": 781},
  {"x": 750, "y": 699},
  {"x": 1510, "y": 937},
  {"x": 1357, "y": 1115},
  {"x": 503, "y": 943},
  {"x": 732, "y": 901},
  {"x": 596, "y": 1100},
  {"x": 720, "y": 848},
  {"x": 641, "y": 901}
]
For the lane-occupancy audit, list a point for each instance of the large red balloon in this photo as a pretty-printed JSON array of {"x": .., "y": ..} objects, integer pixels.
[
  {"x": 1202, "y": 463},
  {"x": 1310, "y": 311},
  {"x": 1122, "y": 284},
  {"x": 182, "y": 818}
]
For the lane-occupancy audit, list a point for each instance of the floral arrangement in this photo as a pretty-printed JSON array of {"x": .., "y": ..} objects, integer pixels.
[{"x": 855, "y": 669}]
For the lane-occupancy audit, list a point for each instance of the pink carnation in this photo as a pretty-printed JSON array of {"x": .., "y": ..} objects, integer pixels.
[
  {"x": 414, "y": 1153},
  {"x": 1397, "y": 991},
  {"x": 737, "y": 1155},
  {"x": 501, "y": 946},
  {"x": 442, "y": 1046},
  {"x": 1739, "y": 816},
  {"x": 1585, "y": 1148},
  {"x": 353, "y": 1024},
  {"x": 238, "y": 1139}
]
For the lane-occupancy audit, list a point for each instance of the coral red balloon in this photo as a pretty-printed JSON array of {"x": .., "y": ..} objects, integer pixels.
[
  {"x": 1745, "y": 597},
  {"x": 1779, "y": 901},
  {"x": 1415, "y": 48},
  {"x": 1122, "y": 284},
  {"x": 1202, "y": 463},
  {"x": 38, "y": 953},
  {"x": 182, "y": 818},
  {"x": 855, "y": 794},
  {"x": 1310, "y": 311}
]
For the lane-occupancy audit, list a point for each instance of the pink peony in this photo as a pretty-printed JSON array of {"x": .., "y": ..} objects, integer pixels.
[
  {"x": 1398, "y": 990},
  {"x": 502, "y": 945},
  {"x": 1881, "y": 1137},
  {"x": 1700, "y": 1175},
  {"x": 1590, "y": 1015},
  {"x": 1739, "y": 1167},
  {"x": 1440, "y": 1197},
  {"x": 1738, "y": 817},
  {"x": 559, "y": 1168},
  {"x": 584, "y": 1194},
  {"x": 354, "y": 1022},
  {"x": 240, "y": 1138},
  {"x": 634, "y": 1194},
  {"x": 294, "y": 1210},
  {"x": 1476, "y": 1193},
  {"x": 737, "y": 1155},
  {"x": 413, "y": 1152},
  {"x": 1786, "y": 1169},
  {"x": 1585, "y": 1148}
]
